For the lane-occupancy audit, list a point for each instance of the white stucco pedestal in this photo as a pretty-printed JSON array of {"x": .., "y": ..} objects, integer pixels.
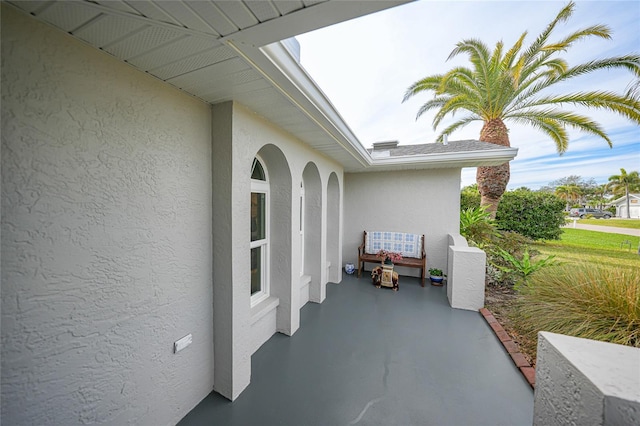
[
  {"x": 465, "y": 274},
  {"x": 586, "y": 382}
]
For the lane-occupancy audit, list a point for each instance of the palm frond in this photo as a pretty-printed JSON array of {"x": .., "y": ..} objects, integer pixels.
[
  {"x": 562, "y": 119},
  {"x": 626, "y": 106},
  {"x": 458, "y": 125},
  {"x": 428, "y": 83},
  {"x": 432, "y": 104}
]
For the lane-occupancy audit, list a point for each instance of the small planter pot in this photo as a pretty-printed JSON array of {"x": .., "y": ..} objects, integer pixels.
[{"x": 436, "y": 280}]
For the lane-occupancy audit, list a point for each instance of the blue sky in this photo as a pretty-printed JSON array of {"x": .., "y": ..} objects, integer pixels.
[{"x": 365, "y": 65}]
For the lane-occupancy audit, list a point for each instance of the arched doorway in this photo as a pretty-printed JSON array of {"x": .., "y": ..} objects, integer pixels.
[{"x": 311, "y": 244}]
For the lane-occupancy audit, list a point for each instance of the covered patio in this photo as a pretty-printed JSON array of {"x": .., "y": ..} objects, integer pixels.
[{"x": 377, "y": 357}]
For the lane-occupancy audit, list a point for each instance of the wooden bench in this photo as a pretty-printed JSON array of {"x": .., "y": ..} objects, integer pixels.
[{"x": 411, "y": 262}]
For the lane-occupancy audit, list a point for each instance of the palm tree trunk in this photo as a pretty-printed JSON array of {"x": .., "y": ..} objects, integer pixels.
[
  {"x": 626, "y": 192},
  {"x": 492, "y": 180}
]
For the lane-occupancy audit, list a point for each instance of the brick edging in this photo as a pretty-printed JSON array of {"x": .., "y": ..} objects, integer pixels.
[{"x": 511, "y": 347}]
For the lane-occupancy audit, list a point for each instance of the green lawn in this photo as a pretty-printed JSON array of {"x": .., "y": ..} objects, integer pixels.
[
  {"x": 618, "y": 223},
  {"x": 578, "y": 246}
]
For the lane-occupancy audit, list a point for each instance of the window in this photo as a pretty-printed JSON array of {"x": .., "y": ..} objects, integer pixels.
[{"x": 259, "y": 232}]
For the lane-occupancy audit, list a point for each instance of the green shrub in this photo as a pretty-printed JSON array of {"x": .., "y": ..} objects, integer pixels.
[
  {"x": 537, "y": 215},
  {"x": 477, "y": 226},
  {"x": 583, "y": 300},
  {"x": 611, "y": 209},
  {"x": 469, "y": 197},
  {"x": 522, "y": 266}
]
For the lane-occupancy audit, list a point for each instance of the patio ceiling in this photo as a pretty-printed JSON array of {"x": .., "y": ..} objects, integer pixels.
[{"x": 221, "y": 50}]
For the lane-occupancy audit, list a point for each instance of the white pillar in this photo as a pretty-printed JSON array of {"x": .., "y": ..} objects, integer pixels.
[
  {"x": 586, "y": 382},
  {"x": 465, "y": 275}
]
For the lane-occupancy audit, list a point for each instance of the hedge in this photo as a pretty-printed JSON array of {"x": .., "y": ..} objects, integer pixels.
[{"x": 537, "y": 215}]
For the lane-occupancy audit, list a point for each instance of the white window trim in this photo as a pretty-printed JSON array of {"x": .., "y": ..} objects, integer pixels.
[{"x": 259, "y": 186}]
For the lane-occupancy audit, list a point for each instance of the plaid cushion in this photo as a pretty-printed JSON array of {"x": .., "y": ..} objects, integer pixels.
[{"x": 409, "y": 245}]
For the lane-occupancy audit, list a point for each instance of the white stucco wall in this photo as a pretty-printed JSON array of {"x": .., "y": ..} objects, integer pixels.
[
  {"x": 586, "y": 382},
  {"x": 106, "y": 237},
  {"x": 239, "y": 330},
  {"x": 417, "y": 201}
]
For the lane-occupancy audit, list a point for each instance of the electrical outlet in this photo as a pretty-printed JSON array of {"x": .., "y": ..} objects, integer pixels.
[{"x": 182, "y": 343}]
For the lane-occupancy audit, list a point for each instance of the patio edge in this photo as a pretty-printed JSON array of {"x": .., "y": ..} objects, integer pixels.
[{"x": 511, "y": 347}]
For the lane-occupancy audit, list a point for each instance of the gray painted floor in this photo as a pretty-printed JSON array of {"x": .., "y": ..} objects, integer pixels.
[{"x": 371, "y": 356}]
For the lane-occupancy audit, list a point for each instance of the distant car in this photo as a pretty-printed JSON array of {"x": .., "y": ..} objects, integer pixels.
[{"x": 582, "y": 213}]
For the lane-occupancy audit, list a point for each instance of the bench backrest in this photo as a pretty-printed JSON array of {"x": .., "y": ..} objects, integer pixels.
[{"x": 409, "y": 245}]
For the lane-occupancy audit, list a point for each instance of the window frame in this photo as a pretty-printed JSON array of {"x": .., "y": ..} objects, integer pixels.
[{"x": 262, "y": 187}]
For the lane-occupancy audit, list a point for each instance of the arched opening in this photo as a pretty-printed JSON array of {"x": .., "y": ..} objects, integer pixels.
[
  {"x": 278, "y": 231},
  {"x": 334, "y": 248},
  {"x": 260, "y": 224},
  {"x": 311, "y": 245}
]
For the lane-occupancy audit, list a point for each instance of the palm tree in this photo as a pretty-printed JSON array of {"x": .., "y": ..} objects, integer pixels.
[
  {"x": 512, "y": 85},
  {"x": 570, "y": 193},
  {"x": 625, "y": 181}
]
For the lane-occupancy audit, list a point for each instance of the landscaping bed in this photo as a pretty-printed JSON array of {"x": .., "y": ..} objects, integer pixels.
[{"x": 581, "y": 254}]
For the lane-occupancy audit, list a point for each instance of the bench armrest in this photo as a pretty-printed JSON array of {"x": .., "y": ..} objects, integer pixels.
[{"x": 361, "y": 249}]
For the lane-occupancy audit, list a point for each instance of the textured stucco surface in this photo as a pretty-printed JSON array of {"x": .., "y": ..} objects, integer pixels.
[
  {"x": 421, "y": 202},
  {"x": 586, "y": 382},
  {"x": 466, "y": 275},
  {"x": 238, "y": 136},
  {"x": 106, "y": 237}
]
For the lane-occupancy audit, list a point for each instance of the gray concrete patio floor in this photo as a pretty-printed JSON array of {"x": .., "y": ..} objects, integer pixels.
[{"x": 371, "y": 356}]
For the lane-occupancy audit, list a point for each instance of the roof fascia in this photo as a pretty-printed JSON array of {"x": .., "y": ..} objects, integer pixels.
[
  {"x": 278, "y": 66},
  {"x": 453, "y": 159},
  {"x": 624, "y": 198},
  {"x": 309, "y": 19}
]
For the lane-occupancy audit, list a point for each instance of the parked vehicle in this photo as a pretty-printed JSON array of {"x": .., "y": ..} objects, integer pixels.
[{"x": 596, "y": 213}]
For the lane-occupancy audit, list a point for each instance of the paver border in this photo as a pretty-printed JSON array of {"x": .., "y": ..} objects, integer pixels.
[{"x": 511, "y": 347}]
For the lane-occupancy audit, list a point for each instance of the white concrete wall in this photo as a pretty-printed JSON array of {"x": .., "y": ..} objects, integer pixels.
[
  {"x": 586, "y": 382},
  {"x": 238, "y": 135},
  {"x": 465, "y": 274},
  {"x": 417, "y": 201},
  {"x": 106, "y": 237}
]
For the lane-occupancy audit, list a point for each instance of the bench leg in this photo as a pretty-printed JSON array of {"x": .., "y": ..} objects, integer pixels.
[
  {"x": 423, "y": 277},
  {"x": 359, "y": 267}
]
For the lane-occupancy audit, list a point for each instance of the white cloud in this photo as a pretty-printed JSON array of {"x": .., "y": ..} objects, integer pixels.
[{"x": 365, "y": 65}]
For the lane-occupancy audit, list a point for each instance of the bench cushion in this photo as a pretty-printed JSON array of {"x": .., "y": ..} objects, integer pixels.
[{"x": 409, "y": 245}]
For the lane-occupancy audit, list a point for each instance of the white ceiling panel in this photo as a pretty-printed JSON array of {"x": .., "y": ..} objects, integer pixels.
[
  {"x": 180, "y": 48},
  {"x": 312, "y": 2},
  {"x": 151, "y": 10},
  {"x": 185, "y": 15},
  {"x": 117, "y": 5},
  {"x": 108, "y": 29},
  {"x": 288, "y": 6},
  {"x": 68, "y": 17},
  {"x": 262, "y": 9},
  {"x": 217, "y": 81},
  {"x": 202, "y": 76},
  {"x": 150, "y": 38},
  {"x": 31, "y": 6},
  {"x": 220, "y": 94},
  {"x": 213, "y": 16},
  {"x": 192, "y": 63},
  {"x": 238, "y": 12}
]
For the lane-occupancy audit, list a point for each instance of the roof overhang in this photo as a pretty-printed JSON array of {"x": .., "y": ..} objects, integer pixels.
[
  {"x": 487, "y": 157},
  {"x": 220, "y": 50}
]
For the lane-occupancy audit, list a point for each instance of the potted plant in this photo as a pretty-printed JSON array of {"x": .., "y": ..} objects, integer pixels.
[{"x": 436, "y": 275}]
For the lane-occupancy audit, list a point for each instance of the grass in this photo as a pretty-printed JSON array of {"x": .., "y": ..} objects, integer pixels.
[
  {"x": 581, "y": 246},
  {"x": 587, "y": 301},
  {"x": 618, "y": 223},
  {"x": 582, "y": 256}
]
